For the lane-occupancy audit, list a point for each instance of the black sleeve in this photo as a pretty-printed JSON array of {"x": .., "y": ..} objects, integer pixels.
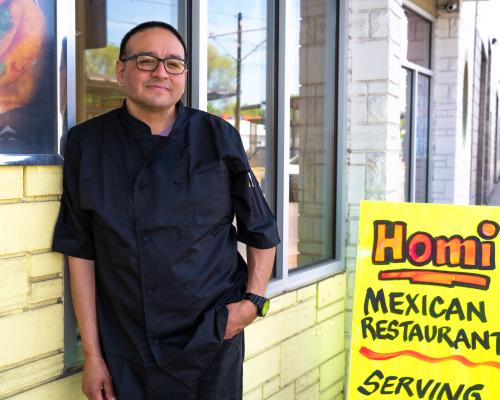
[
  {"x": 255, "y": 222},
  {"x": 73, "y": 231}
]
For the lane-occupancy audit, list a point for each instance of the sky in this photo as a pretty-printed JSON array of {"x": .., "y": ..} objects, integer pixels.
[
  {"x": 222, "y": 20},
  {"x": 125, "y": 14}
]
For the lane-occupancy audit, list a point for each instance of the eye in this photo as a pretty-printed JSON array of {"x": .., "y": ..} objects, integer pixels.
[
  {"x": 174, "y": 65},
  {"x": 146, "y": 61}
]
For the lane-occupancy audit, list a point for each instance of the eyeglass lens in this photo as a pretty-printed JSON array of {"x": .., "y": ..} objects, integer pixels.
[{"x": 148, "y": 63}]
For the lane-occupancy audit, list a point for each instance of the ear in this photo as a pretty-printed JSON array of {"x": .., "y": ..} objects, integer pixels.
[{"x": 120, "y": 71}]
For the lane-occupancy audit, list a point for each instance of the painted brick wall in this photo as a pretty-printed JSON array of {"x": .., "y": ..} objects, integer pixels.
[
  {"x": 450, "y": 141},
  {"x": 456, "y": 105},
  {"x": 31, "y": 310},
  {"x": 297, "y": 351}
]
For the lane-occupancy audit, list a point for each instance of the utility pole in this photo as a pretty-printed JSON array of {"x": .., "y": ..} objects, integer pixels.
[{"x": 238, "y": 77}]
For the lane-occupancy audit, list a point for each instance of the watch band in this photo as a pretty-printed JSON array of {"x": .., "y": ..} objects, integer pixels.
[{"x": 262, "y": 303}]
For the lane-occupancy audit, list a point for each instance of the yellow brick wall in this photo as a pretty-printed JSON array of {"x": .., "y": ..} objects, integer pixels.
[
  {"x": 295, "y": 353},
  {"x": 31, "y": 286}
]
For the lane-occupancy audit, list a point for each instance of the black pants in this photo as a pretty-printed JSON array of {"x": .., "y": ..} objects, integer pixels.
[{"x": 223, "y": 380}]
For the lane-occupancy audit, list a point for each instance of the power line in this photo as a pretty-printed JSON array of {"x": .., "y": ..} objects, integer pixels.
[
  {"x": 243, "y": 42},
  {"x": 254, "y": 49},
  {"x": 235, "y": 58},
  {"x": 211, "y": 36},
  {"x": 223, "y": 48},
  {"x": 236, "y": 16},
  {"x": 175, "y": 5},
  {"x": 121, "y": 21}
]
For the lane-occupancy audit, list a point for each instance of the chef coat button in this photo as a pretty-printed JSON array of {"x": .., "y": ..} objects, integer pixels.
[
  {"x": 145, "y": 238},
  {"x": 156, "y": 341},
  {"x": 142, "y": 185},
  {"x": 150, "y": 291}
]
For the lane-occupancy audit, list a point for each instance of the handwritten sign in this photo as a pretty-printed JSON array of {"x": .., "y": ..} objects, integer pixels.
[{"x": 426, "y": 315}]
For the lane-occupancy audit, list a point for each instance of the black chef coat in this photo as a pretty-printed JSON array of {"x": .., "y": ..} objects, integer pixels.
[{"x": 156, "y": 216}]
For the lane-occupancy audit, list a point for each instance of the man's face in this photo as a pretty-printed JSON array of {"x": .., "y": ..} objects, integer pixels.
[{"x": 152, "y": 91}]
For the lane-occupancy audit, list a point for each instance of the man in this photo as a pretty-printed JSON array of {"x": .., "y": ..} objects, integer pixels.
[{"x": 150, "y": 192}]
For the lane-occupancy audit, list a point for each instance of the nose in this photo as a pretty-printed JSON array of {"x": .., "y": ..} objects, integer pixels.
[{"x": 160, "y": 71}]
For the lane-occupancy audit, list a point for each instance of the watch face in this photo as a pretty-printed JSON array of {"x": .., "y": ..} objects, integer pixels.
[{"x": 265, "y": 307}]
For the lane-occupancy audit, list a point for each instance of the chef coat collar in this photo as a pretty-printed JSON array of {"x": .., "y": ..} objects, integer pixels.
[{"x": 139, "y": 130}]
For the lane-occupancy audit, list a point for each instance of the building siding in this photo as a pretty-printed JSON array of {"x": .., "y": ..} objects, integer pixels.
[{"x": 31, "y": 310}]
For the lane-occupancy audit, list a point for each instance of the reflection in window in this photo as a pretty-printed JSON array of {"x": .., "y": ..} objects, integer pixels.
[
  {"x": 237, "y": 83},
  {"x": 98, "y": 48},
  {"x": 311, "y": 130},
  {"x": 414, "y": 133},
  {"x": 422, "y": 138},
  {"x": 415, "y": 99},
  {"x": 97, "y": 89},
  {"x": 419, "y": 40},
  {"x": 405, "y": 135},
  {"x": 465, "y": 101}
]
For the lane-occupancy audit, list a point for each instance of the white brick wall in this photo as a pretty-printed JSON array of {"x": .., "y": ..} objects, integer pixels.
[
  {"x": 445, "y": 117},
  {"x": 454, "y": 156},
  {"x": 376, "y": 31}
]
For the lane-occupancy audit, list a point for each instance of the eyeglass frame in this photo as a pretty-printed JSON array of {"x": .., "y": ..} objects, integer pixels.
[{"x": 158, "y": 59}]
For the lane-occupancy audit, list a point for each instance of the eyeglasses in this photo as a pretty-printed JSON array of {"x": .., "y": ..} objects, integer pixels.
[{"x": 174, "y": 66}]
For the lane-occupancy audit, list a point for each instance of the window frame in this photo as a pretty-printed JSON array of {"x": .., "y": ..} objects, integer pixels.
[
  {"x": 285, "y": 279},
  {"x": 417, "y": 70},
  {"x": 73, "y": 354}
]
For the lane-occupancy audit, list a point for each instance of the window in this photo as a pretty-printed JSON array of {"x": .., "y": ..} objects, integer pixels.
[
  {"x": 465, "y": 101},
  {"x": 414, "y": 125},
  {"x": 270, "y": 68},
  {"x": 238, "y": 88},
  {"x": 419, "y": 39},
  {"x": 250, "y": 79},
  {"x": 310, "y": 209}
]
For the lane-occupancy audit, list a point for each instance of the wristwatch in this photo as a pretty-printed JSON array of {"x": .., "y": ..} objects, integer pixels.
[{"x": 262, "y": 303}]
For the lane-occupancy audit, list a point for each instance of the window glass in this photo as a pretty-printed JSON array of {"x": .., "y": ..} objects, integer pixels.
[
  {"x": 422, "y": 138},
  {"x": 414, "y": 125},
  {"x": 238, "y": 88},
  {"x": 311, "y": 172},
  {"x": 99, "y": 48},
  {"x": 405, "y": 135},
  {"x": 465, "y": 101},
  {"x": 419, "y": 40},
  {"x": 97, "y": 89}
]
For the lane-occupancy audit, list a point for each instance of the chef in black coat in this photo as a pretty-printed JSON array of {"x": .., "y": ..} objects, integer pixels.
[{"x": 151, "y": 190}]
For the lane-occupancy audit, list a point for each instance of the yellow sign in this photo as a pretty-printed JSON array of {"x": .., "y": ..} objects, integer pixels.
[{"x": 426, "y": 317}]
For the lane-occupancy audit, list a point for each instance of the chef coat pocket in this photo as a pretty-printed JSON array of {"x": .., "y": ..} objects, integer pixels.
[
  {"x": 222, "y": 320},
  {"x": 209, "y": 194}
]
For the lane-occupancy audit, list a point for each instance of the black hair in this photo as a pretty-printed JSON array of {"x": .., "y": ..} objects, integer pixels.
[{"x": 149, "y": 25}]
